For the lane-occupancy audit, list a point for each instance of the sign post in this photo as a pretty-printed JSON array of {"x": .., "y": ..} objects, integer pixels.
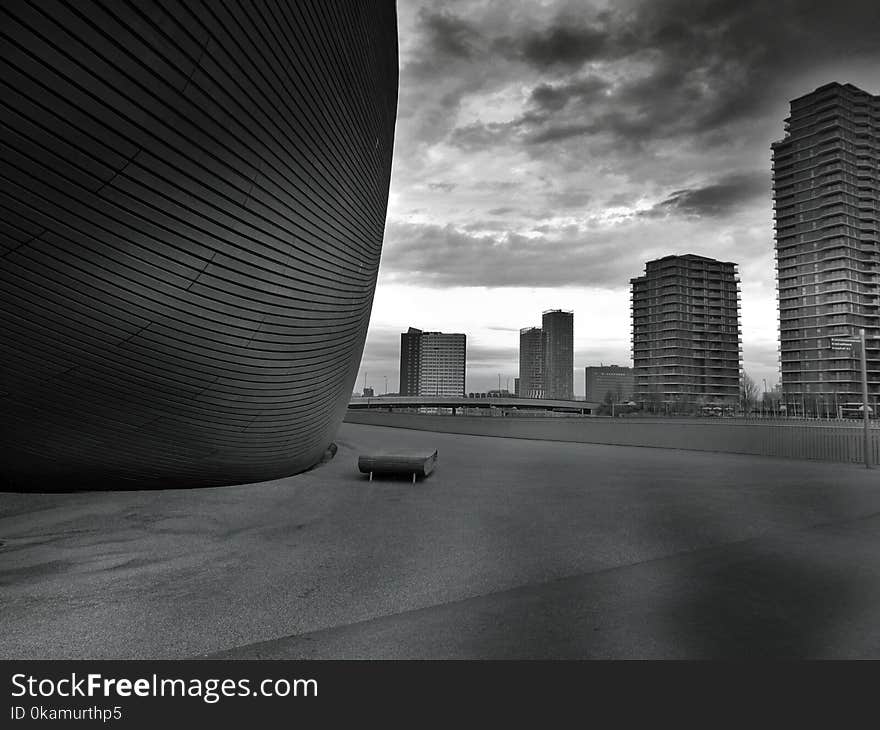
[{"x": 847, "y": 345}]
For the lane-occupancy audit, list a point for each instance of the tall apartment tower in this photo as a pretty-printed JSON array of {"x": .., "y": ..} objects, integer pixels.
[
  {"x": 410, "y": 349},
  {"x": 686, "y": 335},
  {"x": 826, "y": 189},
  {"x": 557, "y": 329},
  {"x": 531, "y": 363},
  {"x": 442, "y": 364}
]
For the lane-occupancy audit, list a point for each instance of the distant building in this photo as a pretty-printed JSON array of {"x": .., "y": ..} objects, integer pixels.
[
  {"x": 409, "y": 361},
  {"x": 442, "y": 359},
  {"x": 516, "y": 386},
  {"x": 557, "y": 328},
  {"x": 608, "y": 379},
  {"x": 531, "y": 363},
  {"x": 826, "y": 193},
  {"x": 686, "y": 337},
  {"x": 432, "y": 363}
]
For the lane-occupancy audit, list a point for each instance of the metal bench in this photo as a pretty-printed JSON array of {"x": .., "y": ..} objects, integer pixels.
[{"x": 416, "y": 463}]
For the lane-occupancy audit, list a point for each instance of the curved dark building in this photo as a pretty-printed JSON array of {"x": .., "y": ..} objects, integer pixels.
[{"x": 191, "y": 215}]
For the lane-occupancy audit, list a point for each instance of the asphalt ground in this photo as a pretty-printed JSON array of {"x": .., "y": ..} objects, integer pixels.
[{"x": 510, "y": 549}]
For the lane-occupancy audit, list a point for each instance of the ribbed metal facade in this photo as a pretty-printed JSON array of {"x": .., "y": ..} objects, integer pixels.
[
  {"x": 826, "y": 183},
  {"x": 686, "y": 337},
  {"x": 192, "y": 207}
]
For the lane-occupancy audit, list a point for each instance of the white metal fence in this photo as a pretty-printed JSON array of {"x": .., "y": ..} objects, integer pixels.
[{"x": 822, "y": 440}]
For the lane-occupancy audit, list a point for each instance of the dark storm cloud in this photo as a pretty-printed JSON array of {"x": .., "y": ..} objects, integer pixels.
[
  {"x": 479, "y": 226},
  {"x": 689, "y": 68},
  {"x": 562, "y": 44},
  {"x": 443, "y": 256},
  {"x": 508, "y": 212},
  {"x": 557, "y": 133},
  {"x": 653, "y": 107},
  {"x": 478, "y": 136},
  {"x": 565, "y": 200},
  {"x": 498, "y": 186},
  {"x": 553, "y": 97},
  {"x": 448, "y": 36},
  {"x": 717, "y": 198},
  {"x": 620, "y": 200},
  {"x": 447, "y": 63},
  {"x": 445, "y": 187},
  {"x": 548, "y": 97}
]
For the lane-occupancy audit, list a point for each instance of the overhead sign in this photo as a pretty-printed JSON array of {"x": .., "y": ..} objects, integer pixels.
[{"x": 838, "y": 343}]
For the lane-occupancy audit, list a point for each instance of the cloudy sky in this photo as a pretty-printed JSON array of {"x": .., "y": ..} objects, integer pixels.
[{"x": 546, "y": 150}]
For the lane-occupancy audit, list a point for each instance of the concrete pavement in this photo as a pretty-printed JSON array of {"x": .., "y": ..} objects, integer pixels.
[{"x": 511, "y": 548}]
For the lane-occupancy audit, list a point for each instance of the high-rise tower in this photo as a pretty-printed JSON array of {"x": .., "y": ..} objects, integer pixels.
[
  {"x": 686, "y": 338},
  {"x": 531, "y": 363},
  {"x": 826, "y": 187},
  {"x": 410, "y": 352},
  {"x": 557, "y": 329},
  {"x": 432, "y": 363},
  {"x": 442, "y": 358}
]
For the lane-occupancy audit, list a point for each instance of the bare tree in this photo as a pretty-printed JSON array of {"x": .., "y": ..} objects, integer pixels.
[{"x": 748, "y": 392}]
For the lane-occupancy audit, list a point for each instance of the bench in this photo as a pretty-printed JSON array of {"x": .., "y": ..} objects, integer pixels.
[{"x": 416, "y": 463}]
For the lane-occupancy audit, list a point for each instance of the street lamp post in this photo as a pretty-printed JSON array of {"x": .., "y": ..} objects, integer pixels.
[
  {"x": 847, "y": 344},
  {"x": 866, "y": 423}
]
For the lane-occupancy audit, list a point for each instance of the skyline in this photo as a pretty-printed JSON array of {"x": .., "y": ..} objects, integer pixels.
[{"x": 565, "y": 145}]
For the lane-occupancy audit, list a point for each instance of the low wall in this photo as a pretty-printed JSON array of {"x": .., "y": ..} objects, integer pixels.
[{"x": 822, "y": 441}]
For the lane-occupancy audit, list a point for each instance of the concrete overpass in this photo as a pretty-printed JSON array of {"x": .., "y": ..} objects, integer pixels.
[{"x": 397, "y": 402}]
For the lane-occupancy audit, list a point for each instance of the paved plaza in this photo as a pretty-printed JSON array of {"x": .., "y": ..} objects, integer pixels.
[{"x": 511, "y": 549}]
